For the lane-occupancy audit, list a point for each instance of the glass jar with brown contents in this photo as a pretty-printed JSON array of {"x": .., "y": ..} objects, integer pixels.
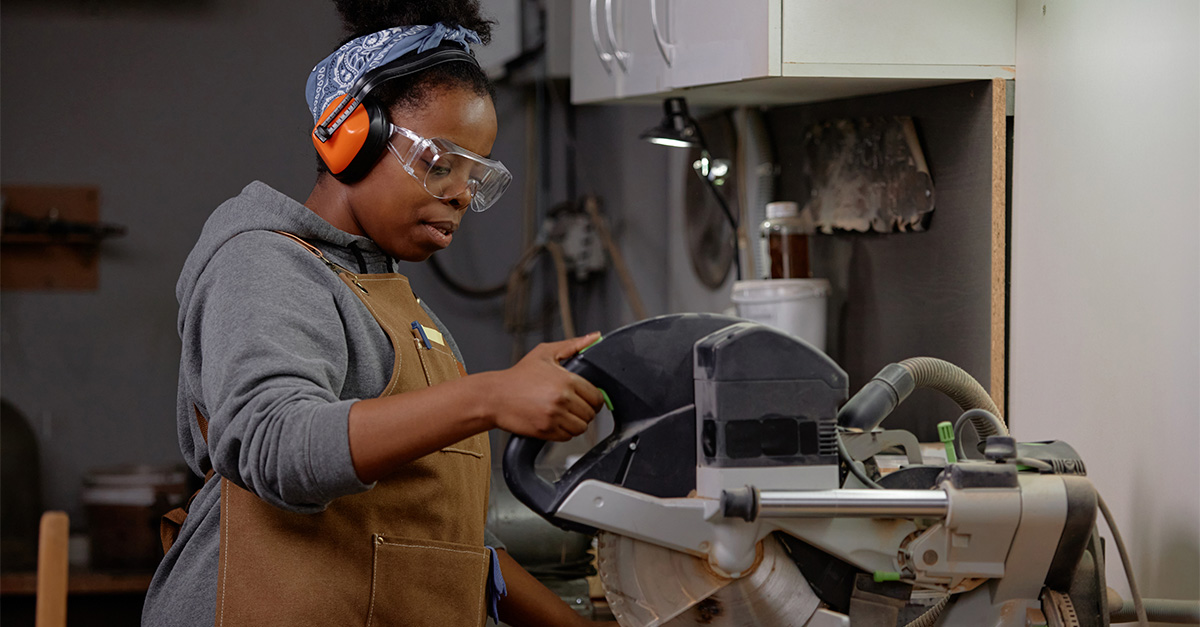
[{"x": 786, "y": 232}]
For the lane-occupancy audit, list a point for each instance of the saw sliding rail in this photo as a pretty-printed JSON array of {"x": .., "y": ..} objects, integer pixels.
[{"x": 835, "y": 503}]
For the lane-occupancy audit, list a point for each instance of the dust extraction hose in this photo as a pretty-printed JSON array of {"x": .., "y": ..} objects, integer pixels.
[
  {"x": 931, "y": 616},
  {"x": 1159, "y": 611},
  {"x": 876, "y": 400}
]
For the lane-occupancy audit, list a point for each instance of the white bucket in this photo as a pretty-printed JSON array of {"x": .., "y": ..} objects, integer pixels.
[{"x": 795, "y": 306}]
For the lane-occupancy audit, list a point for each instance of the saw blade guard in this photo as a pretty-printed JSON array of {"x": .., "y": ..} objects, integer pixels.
[
  {"x": 645, "y": 370},
  {"x": 701, "y": 403}
]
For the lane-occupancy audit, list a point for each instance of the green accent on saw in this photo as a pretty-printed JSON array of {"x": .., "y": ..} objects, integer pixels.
[
  {"x": 946, "y": 436},
  {"x": 885, "y": 575},
  {"x": 607, "y": 400},
  {"x": 591, "y": 345}
]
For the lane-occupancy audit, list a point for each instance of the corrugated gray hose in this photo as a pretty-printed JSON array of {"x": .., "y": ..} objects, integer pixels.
[
  {"x": 866, "y": 409},
  {"x": 931, "y": 616},
  {"x": 962, "y": 388},
  {"x": 893, "y": 384}
]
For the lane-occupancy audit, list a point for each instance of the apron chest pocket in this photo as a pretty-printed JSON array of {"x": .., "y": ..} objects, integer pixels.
[
  {"x": 426, "y": 582},
  {"x": 437, "y": 361}
]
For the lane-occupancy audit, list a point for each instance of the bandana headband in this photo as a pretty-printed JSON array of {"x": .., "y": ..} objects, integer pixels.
[{"x": 341, "y": 72}]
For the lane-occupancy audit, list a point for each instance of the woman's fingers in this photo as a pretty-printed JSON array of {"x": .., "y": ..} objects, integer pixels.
[
  {"x": 575, "y": 425},
  {"x": 569, "y": 348},
  {"x": 579, "y": 408},
  {"x": 588, "y": 392}
]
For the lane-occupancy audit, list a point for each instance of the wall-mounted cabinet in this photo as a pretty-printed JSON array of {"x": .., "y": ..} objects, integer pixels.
[{"x": 773, "y": 51}]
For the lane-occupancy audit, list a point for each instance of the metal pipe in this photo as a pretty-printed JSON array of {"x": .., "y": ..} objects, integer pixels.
[{"x": 853, "y": 503}]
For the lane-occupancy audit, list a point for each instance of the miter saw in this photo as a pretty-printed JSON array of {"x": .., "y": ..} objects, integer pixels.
[{"x": 733, "y": 491}]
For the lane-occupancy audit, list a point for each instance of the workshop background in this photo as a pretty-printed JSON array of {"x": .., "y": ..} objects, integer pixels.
[{"x": 169, "y": 108}]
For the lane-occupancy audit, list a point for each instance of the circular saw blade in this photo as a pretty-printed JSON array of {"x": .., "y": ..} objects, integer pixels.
[{"x": 647, "y": 586}]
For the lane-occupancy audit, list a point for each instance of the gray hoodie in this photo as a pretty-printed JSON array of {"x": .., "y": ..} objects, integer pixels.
[{"x": 275, "y": 350}]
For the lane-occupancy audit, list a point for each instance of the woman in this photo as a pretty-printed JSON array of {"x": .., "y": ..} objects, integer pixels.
[{"x": 345, "y": 449}]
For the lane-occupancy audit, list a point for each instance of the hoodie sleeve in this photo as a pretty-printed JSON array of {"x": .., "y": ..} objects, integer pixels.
[{"x": 273, "y": 352}]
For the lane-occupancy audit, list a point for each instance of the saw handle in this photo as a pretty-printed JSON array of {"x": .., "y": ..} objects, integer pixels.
[{"x": 520, "y": 457}]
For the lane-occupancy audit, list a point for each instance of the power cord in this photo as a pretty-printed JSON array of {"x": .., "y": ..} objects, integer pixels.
[
  {"x": 973, "y": 416},
  {"x": 1138, "y": 605},
  {"x": 853, "y": 465}
]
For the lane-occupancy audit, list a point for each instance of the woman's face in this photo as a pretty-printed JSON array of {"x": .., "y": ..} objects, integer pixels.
[{"x": 393, "y": 208}]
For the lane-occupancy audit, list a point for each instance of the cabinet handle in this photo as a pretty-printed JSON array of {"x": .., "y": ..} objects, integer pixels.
[
  {"x": 665, "y": 47},
  {"x": 620, "y": 55},
  {"x": 605, "y": 57}
]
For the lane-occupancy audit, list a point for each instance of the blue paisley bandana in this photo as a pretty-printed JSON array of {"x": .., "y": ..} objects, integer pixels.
[{"x": 338, "y": 73}]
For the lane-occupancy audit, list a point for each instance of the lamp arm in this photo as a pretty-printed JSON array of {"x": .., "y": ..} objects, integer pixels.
[{"x": 733, "y": 223}]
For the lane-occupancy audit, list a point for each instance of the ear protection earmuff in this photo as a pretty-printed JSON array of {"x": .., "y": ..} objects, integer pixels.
[
  {"x": 354, "y": 147},
  {"x": 354, "y": 129}
]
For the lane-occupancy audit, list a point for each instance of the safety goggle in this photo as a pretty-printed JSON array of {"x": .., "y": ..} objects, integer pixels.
[{"x": 447, "y": 169}]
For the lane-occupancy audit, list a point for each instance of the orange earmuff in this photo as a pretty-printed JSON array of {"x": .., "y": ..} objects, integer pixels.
[{"x": 354, "y": 147}]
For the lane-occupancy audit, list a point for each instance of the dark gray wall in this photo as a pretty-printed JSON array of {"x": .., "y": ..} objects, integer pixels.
[{"x": 170, "y": 108}]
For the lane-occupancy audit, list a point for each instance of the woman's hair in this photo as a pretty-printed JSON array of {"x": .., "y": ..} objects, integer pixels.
[{"x": 363, "y": 17}]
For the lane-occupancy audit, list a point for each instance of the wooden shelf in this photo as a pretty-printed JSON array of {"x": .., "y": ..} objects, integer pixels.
[{"x": 79, "y": 582}]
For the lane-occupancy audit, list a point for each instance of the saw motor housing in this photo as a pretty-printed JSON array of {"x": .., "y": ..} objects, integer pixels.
[{"x": 766, "y": 411}]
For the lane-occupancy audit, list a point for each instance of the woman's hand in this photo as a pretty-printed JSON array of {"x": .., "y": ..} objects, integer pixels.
[
  {"x": 529, "y": 603},
  {"x": 538, "y": 397}
]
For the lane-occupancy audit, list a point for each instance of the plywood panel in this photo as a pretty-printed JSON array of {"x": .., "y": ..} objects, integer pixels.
[
  {"x": 937, "y": 293},
  {"x": 999, "y": 262}
]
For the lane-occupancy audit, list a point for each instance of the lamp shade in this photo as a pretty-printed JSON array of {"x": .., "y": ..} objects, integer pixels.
[{"x": 677, "y": 128}]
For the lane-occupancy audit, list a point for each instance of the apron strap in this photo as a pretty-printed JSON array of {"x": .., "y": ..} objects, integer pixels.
[
  {"x": 312, "y": 249},
  {"x": 202, "y": 422},
  {"x": 172, "y": 522}
]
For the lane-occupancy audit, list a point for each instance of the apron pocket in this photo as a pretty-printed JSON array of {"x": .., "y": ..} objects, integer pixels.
[
  {"x": 438, "y": 363},
  {"x": 427, "y": 583}
]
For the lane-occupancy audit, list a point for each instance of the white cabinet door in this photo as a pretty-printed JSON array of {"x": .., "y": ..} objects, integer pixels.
[
  {"x": 645, "y": 67},
  {"x": 595, "y": 74},
  {"x": 718, "y": 41},
  {"x": 913, "y": 38}
]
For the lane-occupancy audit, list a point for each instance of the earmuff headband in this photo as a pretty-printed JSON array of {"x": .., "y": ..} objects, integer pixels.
[{"x": 404, "y": 66}]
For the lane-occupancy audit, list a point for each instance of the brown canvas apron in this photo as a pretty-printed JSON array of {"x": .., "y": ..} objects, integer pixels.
[{"x": 407, "y": 552}]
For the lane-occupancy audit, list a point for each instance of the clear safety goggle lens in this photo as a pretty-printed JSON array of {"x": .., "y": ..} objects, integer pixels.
[{"x": 448, "y": 170}]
